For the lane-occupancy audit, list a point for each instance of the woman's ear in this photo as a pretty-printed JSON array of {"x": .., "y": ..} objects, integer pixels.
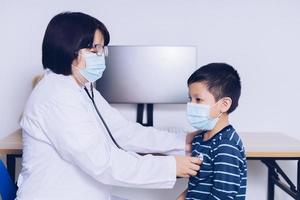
[
  {"x": 79, "y": 61},
  {"x": 225, "y": 104}
]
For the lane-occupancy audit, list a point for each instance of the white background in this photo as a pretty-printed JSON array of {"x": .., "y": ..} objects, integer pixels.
[{"x": 261, "y": 39}]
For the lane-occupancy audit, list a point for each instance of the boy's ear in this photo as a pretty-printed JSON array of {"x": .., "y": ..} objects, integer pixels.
[{"x": 225, "y": 104}]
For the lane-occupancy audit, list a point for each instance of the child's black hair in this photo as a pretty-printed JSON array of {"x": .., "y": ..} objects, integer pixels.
[{"x": 221, "y": 79}]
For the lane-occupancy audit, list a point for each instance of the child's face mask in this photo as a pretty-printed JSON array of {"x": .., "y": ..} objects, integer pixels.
[
  {"x": 198, "y": 116},
  {"x": 94, "y": 67}
]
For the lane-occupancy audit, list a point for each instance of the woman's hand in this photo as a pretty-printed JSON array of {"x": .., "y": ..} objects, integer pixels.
[
  {"x": 188, "y": 141},
  {"x": 187, "y": 166}
]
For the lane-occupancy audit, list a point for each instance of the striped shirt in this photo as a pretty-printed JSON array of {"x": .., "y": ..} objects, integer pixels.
[{"x": 223, "y": 173}]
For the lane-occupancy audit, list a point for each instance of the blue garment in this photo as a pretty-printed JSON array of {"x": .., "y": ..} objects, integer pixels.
[
  {"x": 7, "y": 187},
  {"x": 223, "y": 173}
]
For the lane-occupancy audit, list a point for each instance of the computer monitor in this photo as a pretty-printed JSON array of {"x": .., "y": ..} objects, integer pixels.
[{"x": 147, "y": 74}]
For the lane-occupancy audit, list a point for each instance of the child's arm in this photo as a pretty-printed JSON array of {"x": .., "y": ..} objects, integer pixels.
[
  {"x": 227, "y": 172},
  {"x": 182, "y": 195}
]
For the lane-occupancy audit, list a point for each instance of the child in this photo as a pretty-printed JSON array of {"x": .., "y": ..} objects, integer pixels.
[{"x": 214, "y": 91}]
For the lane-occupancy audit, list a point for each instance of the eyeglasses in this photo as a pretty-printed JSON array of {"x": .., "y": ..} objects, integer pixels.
[{"x": 99, "y": 50}]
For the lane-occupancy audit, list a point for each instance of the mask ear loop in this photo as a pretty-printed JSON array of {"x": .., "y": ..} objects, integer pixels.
[
  {"x": 78, "y": 76},
  {"x": 220, "y": 114}
]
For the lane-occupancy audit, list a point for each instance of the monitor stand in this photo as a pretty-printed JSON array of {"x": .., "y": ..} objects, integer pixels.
[{"x": 140, "y": 113}]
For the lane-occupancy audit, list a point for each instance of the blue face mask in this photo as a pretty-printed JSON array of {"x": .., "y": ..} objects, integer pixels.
[
  {"x": 94, "y": 67},
  {"x": 198, "y": 116}
]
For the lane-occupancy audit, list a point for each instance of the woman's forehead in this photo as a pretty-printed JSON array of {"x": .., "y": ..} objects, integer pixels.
[{"x": 98, "y": 37}]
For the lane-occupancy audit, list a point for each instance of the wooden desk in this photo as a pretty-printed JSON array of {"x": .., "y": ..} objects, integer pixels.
[
  {"x": 269, "y": 148},
  {"x": 266, "y": 147},
  {"x": 11, "y": 144},
  {"x": 270, "y": 145}
]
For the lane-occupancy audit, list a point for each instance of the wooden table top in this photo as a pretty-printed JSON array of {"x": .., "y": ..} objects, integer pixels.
[
  {"x": 268, "y": 144},
  {"x": 257, "y": 144},
  {"x": 12, "y": 144}
]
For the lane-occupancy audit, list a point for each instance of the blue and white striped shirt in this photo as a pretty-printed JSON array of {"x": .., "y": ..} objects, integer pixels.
[{"x": 223, "y": 173}]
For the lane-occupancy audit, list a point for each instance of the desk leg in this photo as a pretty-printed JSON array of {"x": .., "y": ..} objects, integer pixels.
[
  {"x": 11, "y": 166},
  {"x": 271, "y": 184},
  {"x": 298, "y": 180}
]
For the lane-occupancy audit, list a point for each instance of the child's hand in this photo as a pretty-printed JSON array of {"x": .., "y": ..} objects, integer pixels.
[{"x": 182, "y": 196}]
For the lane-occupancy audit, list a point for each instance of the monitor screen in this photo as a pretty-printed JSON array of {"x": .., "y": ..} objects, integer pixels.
[{"x": 147, "y": 74}]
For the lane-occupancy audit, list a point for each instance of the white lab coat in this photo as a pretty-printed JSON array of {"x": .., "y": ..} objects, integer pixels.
[{"x": 68, "y": 154}]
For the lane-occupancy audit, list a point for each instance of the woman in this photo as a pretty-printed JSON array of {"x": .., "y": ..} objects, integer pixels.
[{"x": 74, "y": 143}]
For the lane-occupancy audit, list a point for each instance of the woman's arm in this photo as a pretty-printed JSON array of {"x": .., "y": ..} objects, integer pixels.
[
  {"x": 135, "y": 137},
  {"x": 75, "y": 135}
]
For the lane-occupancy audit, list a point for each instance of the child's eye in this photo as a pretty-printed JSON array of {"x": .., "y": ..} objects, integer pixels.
[{"x": 198, "y": 100}]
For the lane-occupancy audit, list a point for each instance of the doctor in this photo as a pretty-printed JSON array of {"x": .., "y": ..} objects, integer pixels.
[{"x": 75, "y": 145}]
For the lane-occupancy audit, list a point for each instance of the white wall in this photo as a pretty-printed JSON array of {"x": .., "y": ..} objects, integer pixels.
[{"x": 260, "y": 38}]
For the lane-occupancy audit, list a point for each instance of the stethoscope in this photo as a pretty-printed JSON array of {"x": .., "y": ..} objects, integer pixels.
[{"x": 99, "y": 114}]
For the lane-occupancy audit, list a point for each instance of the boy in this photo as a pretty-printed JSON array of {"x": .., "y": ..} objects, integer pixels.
[{"x": 214, "y": 91}]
